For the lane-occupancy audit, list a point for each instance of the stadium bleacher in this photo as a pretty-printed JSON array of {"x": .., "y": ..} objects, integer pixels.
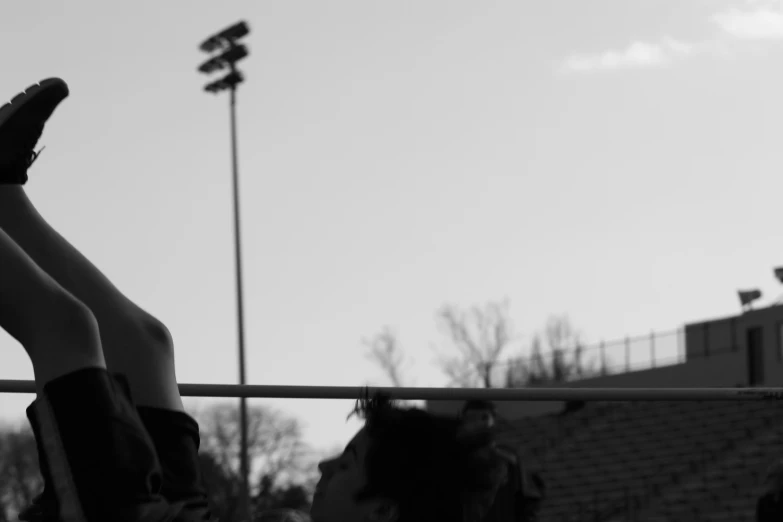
[{"x": 652, "y": 461}]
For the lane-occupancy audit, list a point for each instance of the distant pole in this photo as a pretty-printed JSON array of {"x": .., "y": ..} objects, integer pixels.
[
  {"x": 652, "y": 348},
  {"x": 233, "y": 52},
  {"x": 627, "y": 354},
  {"x": 244, "y": 459}
]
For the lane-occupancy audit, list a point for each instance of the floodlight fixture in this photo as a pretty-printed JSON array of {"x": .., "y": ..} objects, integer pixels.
[
  {"x": 747, "y": 297},
  {"x": 225, "y": 37},
  {"x": 230, "y": 81},
  {"x": 225, "y": 60},
  {"x": 211, "y": 65}
]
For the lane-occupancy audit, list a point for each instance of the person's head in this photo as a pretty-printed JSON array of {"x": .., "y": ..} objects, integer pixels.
[
  {"x": 478, "y": 413},
  {"x": 407, "y": 465}
]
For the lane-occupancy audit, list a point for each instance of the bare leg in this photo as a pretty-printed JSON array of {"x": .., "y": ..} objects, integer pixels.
[
  {"x": 99, "y": 459},
  {"x": 134, "y": 343},
  {"x": 58, "y": 332}
]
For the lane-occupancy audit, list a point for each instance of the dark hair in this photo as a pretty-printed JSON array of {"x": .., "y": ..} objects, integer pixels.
[
  {"x": 432, "y": 468},
  {"x": 479, "y": 405}
]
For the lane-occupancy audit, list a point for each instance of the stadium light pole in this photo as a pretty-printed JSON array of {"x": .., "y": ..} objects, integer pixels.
[{"x": 225, "y": 42}]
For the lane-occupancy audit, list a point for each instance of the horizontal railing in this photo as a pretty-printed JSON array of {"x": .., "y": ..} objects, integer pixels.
[
  {"x": 630, "y": 353},
  {"x": 449, "y": 394},
  {"x": 625, "y": 355}
]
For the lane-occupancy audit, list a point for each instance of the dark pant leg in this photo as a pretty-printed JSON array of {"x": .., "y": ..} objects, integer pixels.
[
  {"x": 175, "y": 435},
  {"x": 102, "y": 463}
]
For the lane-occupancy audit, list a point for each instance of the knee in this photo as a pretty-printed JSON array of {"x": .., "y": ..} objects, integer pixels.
[
  {"x": 63, "y": 320},
  {"x": 156, "y": 335},
  {"x": 135, "y": 335}
]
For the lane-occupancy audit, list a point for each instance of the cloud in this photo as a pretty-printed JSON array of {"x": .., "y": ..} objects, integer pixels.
[
  {"x": 759, "y": 21},
  {"x": 763, "y": 21},
  {"x": 636, "y": 55}
]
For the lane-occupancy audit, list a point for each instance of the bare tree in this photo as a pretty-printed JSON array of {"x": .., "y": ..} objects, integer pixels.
[
  {"x": 480, "y": 335},
  {"x": 223, "y": 486},
  {"x": 564, "y": 362},
  {"x": 384, "y": 350},
  {"x": 565, "y": 343},
  {"x": 275, "y": 445},
  {"x": 283, "y": 461},
  {"x": 20, "y": 479}
]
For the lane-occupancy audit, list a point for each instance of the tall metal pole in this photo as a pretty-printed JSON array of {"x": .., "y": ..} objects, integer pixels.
[
  {"x": 226, "y": 41},
  {"x": 240, "y": 311}
]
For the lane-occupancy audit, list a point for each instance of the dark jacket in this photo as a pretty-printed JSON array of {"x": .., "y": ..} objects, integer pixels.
[
  {"x": 769, "y": 508},
  {"x": 519, "y": 499}
]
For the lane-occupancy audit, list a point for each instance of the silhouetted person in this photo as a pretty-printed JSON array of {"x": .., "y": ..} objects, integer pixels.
[{"x": 519, "y": 498}]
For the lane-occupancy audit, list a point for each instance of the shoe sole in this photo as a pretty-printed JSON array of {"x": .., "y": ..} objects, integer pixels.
[{"x": 17, "y": 102}]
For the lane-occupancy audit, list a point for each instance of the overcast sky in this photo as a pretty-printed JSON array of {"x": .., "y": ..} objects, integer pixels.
[{"x": 616, "y": 161}]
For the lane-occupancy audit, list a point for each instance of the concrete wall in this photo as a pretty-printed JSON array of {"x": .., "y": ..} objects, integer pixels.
[
  {"x": 771, "y": 320},
  {"x": 712, "y": 337}
]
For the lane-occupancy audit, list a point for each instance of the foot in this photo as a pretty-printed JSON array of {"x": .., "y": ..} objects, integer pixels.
[{"x": 22, "y": 122}]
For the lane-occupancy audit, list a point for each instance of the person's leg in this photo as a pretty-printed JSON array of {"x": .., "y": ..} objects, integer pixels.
[
  {"x": 58, "y": 332},
  {"x": 100, "y": 459},
  {"x": 135, "y": 344}
]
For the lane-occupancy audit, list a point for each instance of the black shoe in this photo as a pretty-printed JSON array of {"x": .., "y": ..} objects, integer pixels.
[{"x": 22, "y": 121}]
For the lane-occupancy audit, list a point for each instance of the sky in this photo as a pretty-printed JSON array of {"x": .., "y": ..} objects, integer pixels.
[{"x": 615, "y": 161}]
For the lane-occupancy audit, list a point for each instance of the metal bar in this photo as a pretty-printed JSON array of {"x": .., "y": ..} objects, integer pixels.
[{"x": 456, "y": 394}]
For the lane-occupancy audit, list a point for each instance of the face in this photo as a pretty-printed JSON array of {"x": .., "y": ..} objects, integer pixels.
[
  {"x": 478, "y": 419},
  {"x": 341, "y": 478}
]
